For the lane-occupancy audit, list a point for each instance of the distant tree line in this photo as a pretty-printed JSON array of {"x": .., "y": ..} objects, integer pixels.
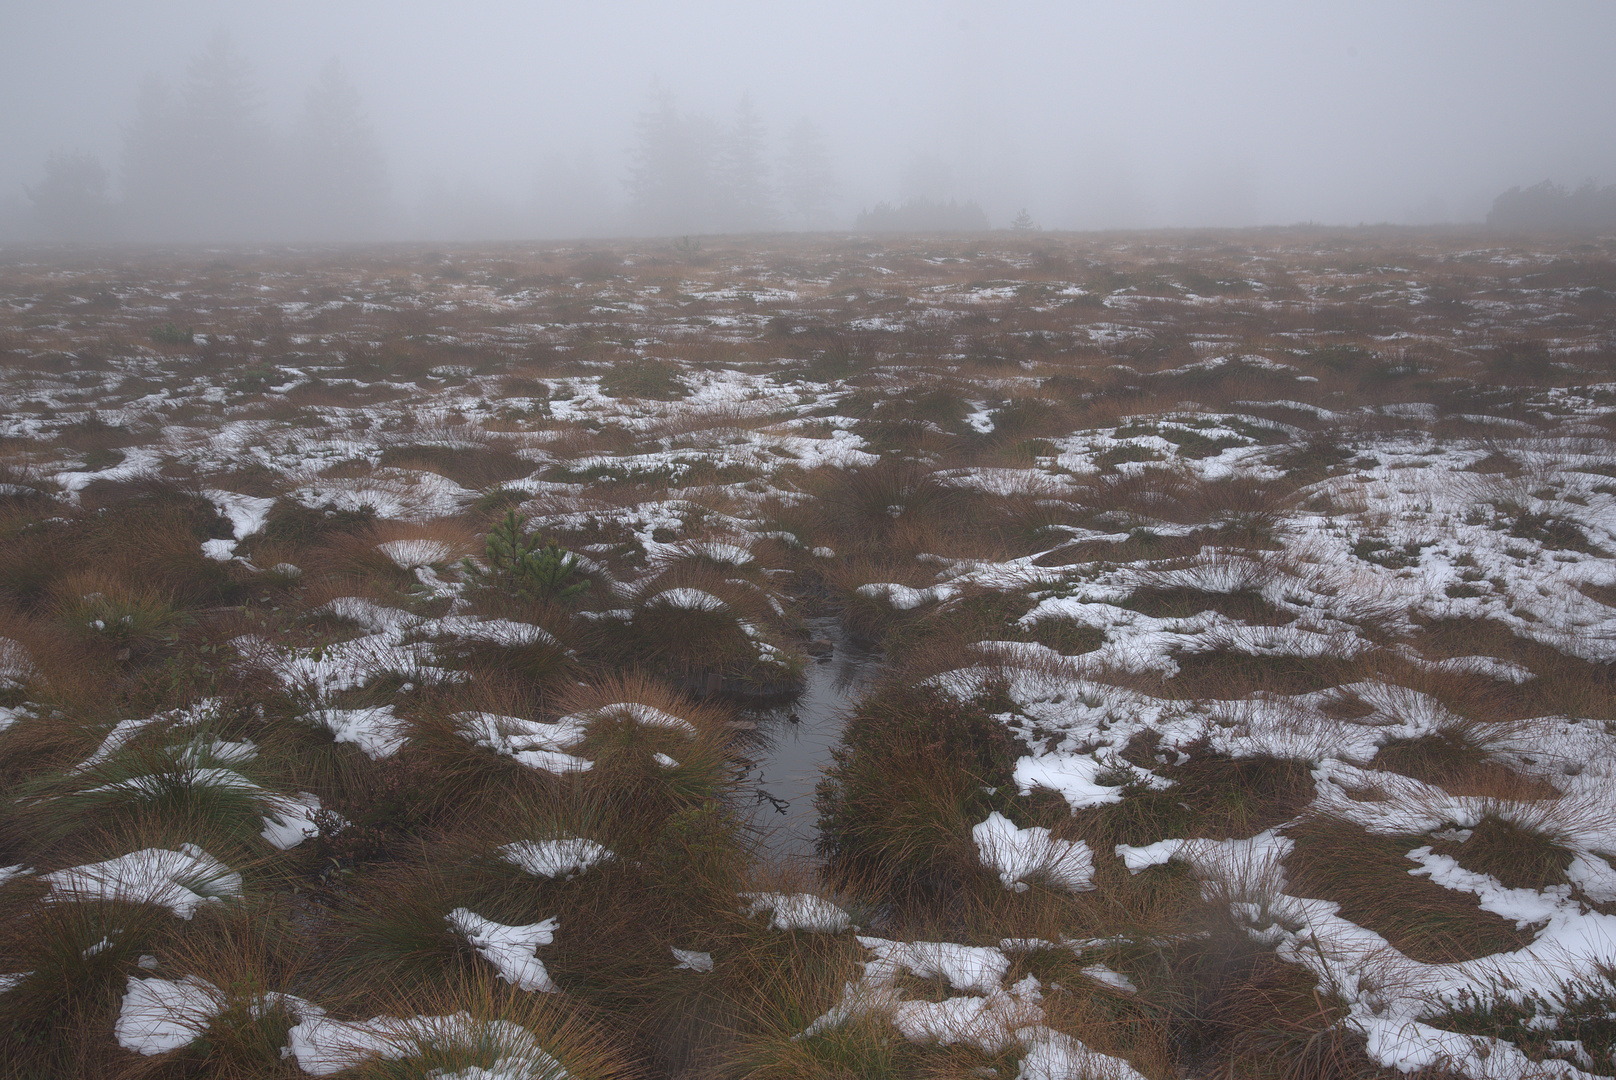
[
  {"x": 690, "y": 174},
  {"x": 200, "y": 162},
  {"x": 1550, "y": 206},
  {"x": 919, "y": 214}
]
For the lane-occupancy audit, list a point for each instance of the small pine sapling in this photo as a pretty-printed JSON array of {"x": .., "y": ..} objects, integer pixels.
[{"x": 526, "y": 565}]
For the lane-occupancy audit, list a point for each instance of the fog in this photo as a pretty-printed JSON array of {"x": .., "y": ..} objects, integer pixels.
[{"x": 356, "y": 119}]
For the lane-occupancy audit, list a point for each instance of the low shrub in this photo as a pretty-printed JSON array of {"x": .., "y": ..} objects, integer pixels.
[{"x": 653, "y": 379}]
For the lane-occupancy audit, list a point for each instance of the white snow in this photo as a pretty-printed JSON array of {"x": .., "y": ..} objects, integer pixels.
[
  {"x": 376, "y": 730},
  {"x": 536, "y": 744},
  {"x": 1052, "y": 1055},
  {"x": 692, "y": 961},
  {"x": 247, "y": 514},
  {"x": 689, "y": 599},
  {"x": 556, "y": 858},
  {"x": 718, "y": 551},
  {"x": 128, "y": 728},
  {"x": 377, "y": 618},
  {"x": 799, "y": 911},
  {"x": 409, "y": 554},
  {"x": 969, "y": 968},
  {"x": 156, "y": 784},
  {"x": 289, "y": 819},
  {"x": 397, "y": 494},
  {"x": 903, "y": 597},
  {"x": 509, "y": 948},
  {"x": 640, "y": 713},
  {"x": 1102, "y": 974},
  {"x": 322, "y": 1046},
  {"x": 1018, "y": 854},
  {"x": 179, "y": 880},
  {"x": 219, "y": 550},
  {"x": 159, "y": 1015},
  {"x": 991, "y": 1017}
]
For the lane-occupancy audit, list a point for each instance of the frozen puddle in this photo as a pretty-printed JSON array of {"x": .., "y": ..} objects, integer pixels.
[{"x": 794, "y": 742}]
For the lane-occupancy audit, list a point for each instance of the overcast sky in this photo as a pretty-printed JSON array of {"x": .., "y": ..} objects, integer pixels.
[{"x": 1088, "y": 114}]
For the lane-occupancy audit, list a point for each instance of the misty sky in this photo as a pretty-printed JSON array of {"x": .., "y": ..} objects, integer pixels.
[{"x": 1088, "y": 114}]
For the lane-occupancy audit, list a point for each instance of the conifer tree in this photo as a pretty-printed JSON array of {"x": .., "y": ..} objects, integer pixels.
[
  {"x": 341, "y": 172},
  {"x": 673, "y": 181},
  {"x": 526, "y": 565},
  {"x": 807, "y": 180},
  {"x": 744, "y": 172},
  {"x": 199, "y": 164},
  {"x": 226, "y": 157}
]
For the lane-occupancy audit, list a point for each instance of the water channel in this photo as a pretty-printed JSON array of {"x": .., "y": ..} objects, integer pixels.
[{"x": 792, "y": 745}]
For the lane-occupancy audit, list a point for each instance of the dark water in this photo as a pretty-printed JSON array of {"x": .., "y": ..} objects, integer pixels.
[{"x": 793, "y": 743}]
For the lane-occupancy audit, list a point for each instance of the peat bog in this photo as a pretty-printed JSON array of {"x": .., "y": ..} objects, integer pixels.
[{"x": 394, "y": 643}]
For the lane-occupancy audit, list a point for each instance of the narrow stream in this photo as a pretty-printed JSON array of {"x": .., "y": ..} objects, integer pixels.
[{"x": 794, "y": 740}]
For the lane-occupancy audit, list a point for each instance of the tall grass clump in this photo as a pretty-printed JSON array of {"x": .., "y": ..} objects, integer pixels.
[
  {"x": 912, "y": 776},
  {"x": 73, "y": 959}
]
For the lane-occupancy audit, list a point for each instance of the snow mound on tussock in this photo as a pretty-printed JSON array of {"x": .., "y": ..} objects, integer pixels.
[
  {"x": 640, "y": 713},
  {"x": 180, "y": 880},
  {"x": 159, "y": 1015},
  {"x": 408, "y": 554},
  {"x": 566, "y": 857},
  {"x": 688, "y": 599},
  {"x": 989, "y": 1016},
  {"x": 377, "y": 730},
  {"x": 799, "y": 911},
  {"x": 1017, "y": 854},
  {"x": 533, "y": 743},
  {"x": 322, "y": 1046},
  {"x": 509, "y": 948}
]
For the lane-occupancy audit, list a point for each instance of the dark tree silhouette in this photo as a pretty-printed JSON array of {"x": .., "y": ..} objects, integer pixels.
[
  {"x": 923, "y": 216},
  {"x": 673, "y": 181},
  {"x": 71, "y": 202},
  {"x": 226, "y": 146},
  {"x": 1550, "y": 206},
  {"x": 341, "y": 173},
  {"x": 807, "y": 180},
  {"x": 151, "y": 157},
  {"x": 199, "y": 165},
  {"x": 747, "y": 201}
]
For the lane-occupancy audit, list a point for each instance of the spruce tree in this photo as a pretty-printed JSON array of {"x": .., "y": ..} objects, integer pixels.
[
  {"x": 807, "y": 180},
  {"x": 744, "y": 172}
]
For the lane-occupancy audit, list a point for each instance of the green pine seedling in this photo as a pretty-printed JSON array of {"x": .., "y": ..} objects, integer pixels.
[{"x": 527, "y": 566}]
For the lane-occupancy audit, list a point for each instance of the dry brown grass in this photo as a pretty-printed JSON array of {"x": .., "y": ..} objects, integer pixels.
[{"x": 1369, "y": 877}]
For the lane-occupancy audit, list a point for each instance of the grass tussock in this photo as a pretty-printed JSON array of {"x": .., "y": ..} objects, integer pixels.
[
  {"x": 78, "y": 957},
  {"x": 910, "y": 780},
  {"x": 1369, "y": 877},
  {"x": 1211, "y": 795}
]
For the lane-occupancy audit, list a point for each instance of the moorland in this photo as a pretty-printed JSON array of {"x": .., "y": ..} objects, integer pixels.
[{"x": 387, "y": 637}]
